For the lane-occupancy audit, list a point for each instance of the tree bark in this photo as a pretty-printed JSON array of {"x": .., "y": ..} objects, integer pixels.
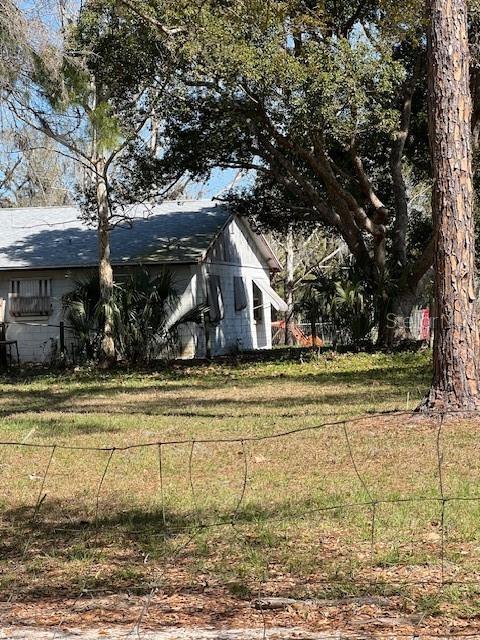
[
  {"x": 400, "y": 225},
  {"x": 289, "y": 288},
  {"x": 397, "y": 329},
  {"x": 105, "y": 271},
  {"x": 455, "y": 384}
]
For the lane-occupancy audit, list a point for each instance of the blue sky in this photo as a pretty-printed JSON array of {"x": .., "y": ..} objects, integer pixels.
[{"x": 47, "y": 11}]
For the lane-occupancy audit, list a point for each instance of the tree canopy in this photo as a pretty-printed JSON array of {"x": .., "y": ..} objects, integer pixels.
[{"x": 323, "y": 102}]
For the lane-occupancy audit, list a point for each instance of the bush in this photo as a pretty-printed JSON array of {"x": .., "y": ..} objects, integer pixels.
[{"x": 140, "y": 309}]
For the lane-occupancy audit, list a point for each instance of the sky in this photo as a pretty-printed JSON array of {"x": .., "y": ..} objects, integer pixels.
[{"x": 220, "y": 179}]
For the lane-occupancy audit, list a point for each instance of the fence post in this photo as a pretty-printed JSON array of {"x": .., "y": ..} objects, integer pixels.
[
  {"x": 3, "y": 347},
  {"x": 62, "y": 338}
]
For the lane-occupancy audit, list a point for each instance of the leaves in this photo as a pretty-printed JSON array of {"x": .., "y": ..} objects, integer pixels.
[
  {"x": 106, "y": 127},
  {"x": 139, "y": 310}
]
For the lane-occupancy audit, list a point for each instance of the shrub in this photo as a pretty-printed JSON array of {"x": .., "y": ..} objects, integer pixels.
[{"x": 140, "y": 308}]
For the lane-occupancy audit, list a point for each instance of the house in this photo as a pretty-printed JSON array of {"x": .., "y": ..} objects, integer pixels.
[{"x": 218, "y": 262}]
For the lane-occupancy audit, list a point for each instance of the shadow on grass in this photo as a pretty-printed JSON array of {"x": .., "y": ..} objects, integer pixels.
[
  {"x": 56, "y": 525},
  {"x": 110, "y": 549},
  {"x": 58, "y": 554},
  {"x": 355, "y": 387},
  {"x": 62, "y": 532}
]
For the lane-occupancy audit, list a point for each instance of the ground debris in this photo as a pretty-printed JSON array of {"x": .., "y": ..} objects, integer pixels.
[{"x": 284, "y": 603}]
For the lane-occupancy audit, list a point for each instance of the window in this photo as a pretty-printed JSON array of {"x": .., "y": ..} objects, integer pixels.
[
  {"x": 257, "y": 303},
  {"x": 215, "y": 298},
  {"x": 239, "y": 293},
  {"x": 30, "y": 297}
]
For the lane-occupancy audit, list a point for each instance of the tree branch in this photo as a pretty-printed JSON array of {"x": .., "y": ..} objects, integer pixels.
[
  {"x": 396, "y": 157},
  {"x": 168, "y": 31},
  {"x": 364, "y": 180},
  {"x": 354, "y": 18}
]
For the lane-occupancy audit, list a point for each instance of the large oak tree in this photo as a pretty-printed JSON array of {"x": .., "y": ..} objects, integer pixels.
[{"x": 326, "y": 104}]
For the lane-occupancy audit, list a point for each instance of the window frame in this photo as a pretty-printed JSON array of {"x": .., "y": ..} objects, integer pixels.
[
  {"x": 30, "y": 289},
  {"x": 258, "y": 309}
]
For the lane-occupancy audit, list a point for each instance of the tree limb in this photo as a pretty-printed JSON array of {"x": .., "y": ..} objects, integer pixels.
[
  {"x": 168, "y": 31},
  {"x": 396, "y": 157}
]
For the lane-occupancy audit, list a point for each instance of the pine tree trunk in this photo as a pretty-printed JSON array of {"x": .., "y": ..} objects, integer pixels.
[
  {"x": 289, "y": 289},
  {"x": 107, "y": 345},
  {"x": 455, "y": 383}
]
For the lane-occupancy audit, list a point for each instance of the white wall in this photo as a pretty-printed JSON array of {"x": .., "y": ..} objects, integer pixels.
[
  {"x": 235, "y": 253},
  {"x": 36, "y": 339}
]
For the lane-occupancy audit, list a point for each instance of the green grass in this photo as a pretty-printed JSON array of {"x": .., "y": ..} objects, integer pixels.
[{"x": 286, "y": 536}]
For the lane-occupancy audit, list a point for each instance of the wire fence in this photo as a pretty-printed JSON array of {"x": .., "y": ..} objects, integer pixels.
[{"x": 163, "y": 532}]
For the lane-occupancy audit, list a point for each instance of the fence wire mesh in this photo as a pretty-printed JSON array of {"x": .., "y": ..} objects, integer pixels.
[{"x": 372, "y": 520}]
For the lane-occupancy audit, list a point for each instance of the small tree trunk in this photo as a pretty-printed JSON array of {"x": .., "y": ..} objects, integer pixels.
[
  {"x": 289, "y": 288},
  {"x": 107, "y": 345},
  {"x": 154, "y": 134},
  {"x": 455, "y": 383}
]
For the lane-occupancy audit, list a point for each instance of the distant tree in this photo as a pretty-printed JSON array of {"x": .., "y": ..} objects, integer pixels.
[
  {"x": 33, "y": 173},
  {"x": 13, "y": 43},
  {"x": 95, "y": 95},
  {"x": 302, "y": 255}
]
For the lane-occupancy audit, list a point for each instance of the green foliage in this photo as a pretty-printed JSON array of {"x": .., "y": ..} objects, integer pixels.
[
  {"x": 139, "y": 310},
  {"x": 343, "y": 302},
  {"x": 106, "y": 127},
  {"x": 85, "y": 314},
  {"x": 353, "y": 311},
  {"x": 145, "y": 305},
  {"x": 124, "y": 54},
  {"x": 102, "y": 83},
  {"x": 244, "y": 53}
]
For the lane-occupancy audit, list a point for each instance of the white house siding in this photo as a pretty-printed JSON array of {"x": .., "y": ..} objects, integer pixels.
[
  {"x": 36, "y": 336},
  {"x": 235, "y": 253}
]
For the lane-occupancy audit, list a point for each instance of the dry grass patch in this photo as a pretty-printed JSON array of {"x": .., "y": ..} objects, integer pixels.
[{"x": 287, "y": 516}]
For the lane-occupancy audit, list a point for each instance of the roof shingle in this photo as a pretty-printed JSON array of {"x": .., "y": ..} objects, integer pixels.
[{"x": 56, "y": 237}]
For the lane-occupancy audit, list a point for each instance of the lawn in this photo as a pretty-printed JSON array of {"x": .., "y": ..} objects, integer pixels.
[{"x": 218, "y": 513}]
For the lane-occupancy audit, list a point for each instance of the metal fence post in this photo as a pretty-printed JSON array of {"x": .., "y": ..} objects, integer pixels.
[
  {"x": 3, "y": 347},
  {"x": 62, "y": 338}
]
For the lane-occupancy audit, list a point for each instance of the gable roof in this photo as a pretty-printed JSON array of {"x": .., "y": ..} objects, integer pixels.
[{"x": 54, "y": 237}]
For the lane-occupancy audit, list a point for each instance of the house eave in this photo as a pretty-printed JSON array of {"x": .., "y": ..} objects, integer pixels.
[
  {"x": 94, "y": 265},
  {"x": 266, "y": 250}
]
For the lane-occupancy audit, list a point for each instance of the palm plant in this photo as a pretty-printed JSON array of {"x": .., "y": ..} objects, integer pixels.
[
  {"x": 138, "y": 312},
  {"x": 352, "y": 309},
  {"x": 146, "y": 304},
  {"x": 81, "y": 308}
]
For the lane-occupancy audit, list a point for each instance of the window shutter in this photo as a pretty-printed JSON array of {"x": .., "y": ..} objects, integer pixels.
[
  {"x": 30, "y": 297},
  {"x": 240, "y": 293},
  {"x": 215, "y": 298}
]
